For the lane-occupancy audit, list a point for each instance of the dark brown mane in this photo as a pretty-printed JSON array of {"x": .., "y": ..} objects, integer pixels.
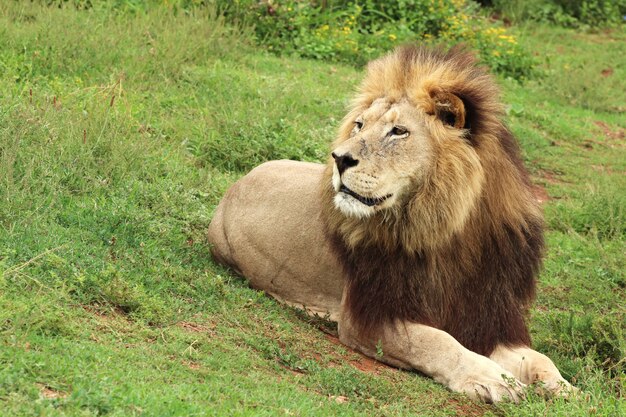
[
  {"x": 477, "y": 286},
  {"x": 478, "y": 292}
]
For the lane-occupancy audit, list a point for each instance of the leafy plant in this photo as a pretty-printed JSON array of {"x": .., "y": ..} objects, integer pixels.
[
  {"x": 355, "y": 32},
  {"x": 567, "y": 13}
]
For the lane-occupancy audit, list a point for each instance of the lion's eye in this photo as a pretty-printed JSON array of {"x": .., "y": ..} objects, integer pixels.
[
  {"x": 399, "y": 131},
  {"x": 358, "y": 124}
]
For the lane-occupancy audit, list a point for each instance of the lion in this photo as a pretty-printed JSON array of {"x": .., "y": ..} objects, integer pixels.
[{"x": 420, "y": 235}]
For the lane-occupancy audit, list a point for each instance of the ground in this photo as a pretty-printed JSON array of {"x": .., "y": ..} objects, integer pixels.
[{"x": 119, "y": 133}]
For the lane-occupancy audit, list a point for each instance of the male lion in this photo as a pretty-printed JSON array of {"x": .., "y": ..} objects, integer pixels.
[{"x": 420, "y": 236}]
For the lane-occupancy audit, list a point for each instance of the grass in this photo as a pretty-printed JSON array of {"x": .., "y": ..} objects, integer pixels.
[{"x": 119, "y": 133}]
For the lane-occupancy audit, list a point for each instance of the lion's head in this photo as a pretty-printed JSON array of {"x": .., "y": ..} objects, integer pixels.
[{"x": 421, "y": 149}]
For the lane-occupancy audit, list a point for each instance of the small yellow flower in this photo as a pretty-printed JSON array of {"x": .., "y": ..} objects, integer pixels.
[
  {"x": 393, "y": 37},
  {"x": 495, "y": 53}
]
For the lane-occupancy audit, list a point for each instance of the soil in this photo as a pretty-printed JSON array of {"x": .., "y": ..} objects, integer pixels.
[
  {"x": 50, "y": 393},
  {"x": 363, "y": 363},
  {"x": 615, "y": 137},
  {"x": 540, "y": 193}
]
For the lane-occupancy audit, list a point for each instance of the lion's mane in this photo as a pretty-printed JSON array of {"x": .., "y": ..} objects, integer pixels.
[{"x": 461, "y": 261}]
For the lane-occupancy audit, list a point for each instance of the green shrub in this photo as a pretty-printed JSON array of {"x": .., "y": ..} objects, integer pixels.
[
  {"x": 355, "y": 32},
  {"x": 595, "y": 12},
  {"x": 568, "y": 13}
]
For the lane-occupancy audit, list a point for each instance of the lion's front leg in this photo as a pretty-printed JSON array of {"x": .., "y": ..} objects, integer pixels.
[
  {"x": 530, "y": 366},
  {"x": 437, "y": 354}
]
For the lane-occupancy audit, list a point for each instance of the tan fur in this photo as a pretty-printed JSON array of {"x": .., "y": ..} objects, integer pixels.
[{"x": 452, "y": 182}]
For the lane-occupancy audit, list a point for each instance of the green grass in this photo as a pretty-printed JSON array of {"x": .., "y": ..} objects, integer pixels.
[{"x": 119, "y": 133}]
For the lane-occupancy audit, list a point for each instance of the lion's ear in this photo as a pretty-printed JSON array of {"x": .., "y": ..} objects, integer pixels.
[{"x": 449, "y": 108}]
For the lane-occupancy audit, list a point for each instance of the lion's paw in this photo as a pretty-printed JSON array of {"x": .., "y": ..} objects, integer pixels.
[
  {"x": 492, "y": 390},
  {"x": 556, "y": 387},
  {"x": 548, "y": 381},
  {"x": 487, "y": 381}
]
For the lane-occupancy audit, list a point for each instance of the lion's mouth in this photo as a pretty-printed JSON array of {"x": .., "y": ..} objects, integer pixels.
[{"x": 368, "y": 201}]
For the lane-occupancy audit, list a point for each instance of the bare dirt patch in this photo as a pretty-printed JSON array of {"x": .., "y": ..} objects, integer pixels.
[
  {"x": 548, "y": 176},
  {"x": 50, "y": 393},
  {"x": 108, "y": 319},
  {"x": 194, "y": 327},
  {"x": 614, "y": 137},
  {"x": 339, "y": 399},
  {"x": 607, "y": 72},
  {"x": 540, "y": 193},
  {"x": 469, "y": 409},
  {"x": 363, "y": 363},
  {"x": 603, "y": 169},
  {"x": 191, "y": 365}
]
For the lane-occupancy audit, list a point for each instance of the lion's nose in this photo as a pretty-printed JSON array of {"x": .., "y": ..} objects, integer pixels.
[{"x": 344, "y": 162}]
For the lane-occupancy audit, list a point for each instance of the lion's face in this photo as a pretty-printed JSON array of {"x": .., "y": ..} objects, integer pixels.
[
  {"x": 390, "y": 150},
  {"x": 386, "y": 150}
]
